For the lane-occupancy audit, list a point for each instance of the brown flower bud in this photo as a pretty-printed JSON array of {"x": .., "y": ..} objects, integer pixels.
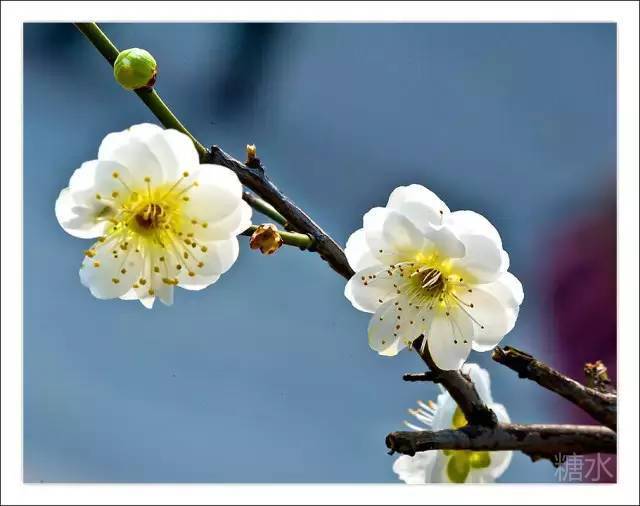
[{"x": 266, "y": 238}]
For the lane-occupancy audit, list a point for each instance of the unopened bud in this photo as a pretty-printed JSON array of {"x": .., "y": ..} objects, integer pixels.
[
  {"x": 266, "y": 238},
  {"x": 135, "y": 68},
  {"x": 251, "y": 152}
]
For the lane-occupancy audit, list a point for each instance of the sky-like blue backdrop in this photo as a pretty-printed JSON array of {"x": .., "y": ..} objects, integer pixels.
[{"x": 267, "y": 375}]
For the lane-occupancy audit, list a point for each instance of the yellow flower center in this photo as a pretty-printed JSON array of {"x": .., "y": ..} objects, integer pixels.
[{"x": 152, "y": 220}]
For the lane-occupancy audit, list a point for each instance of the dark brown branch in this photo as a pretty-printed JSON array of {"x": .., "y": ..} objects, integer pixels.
[
  {"x": 420, "y": 376},
  {"x": 538, "y": 441},
  {"x": 255, "y": 178},
  {"x": 461, "y": 389},
  {"x": 601, "y": 406}
]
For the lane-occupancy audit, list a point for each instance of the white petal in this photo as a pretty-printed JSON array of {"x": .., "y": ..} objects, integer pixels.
[
  {"x": 217, "y": 195},
  {"x": 499, "y": 460},
  {"x": 448, "y": 341},
  {"x": 100, "y": 279},
  {"x": 164, "y": 292},
  {"x": 131, "y": 151},
  {"x": 439, "y": 470},
  {"x": 174, "y": 150},
  {"x": 367, "y": 294},
  {"x": 196, "y": 282},
  {"x": 415, "y": 470},
  {"x": 391, "y": 236},
  {"x": 443, "y": 418},
  {"x": 470, "y": 222},
  {"x": 419, "y": 204},
  {"x": 77, "y": 220},
  {"x": 401, "y": 235},
  {"x": 147, "y": 301},
  {"x": 484, "y": 259},
  {"x": 495, "y": 316},
  {"x": 388, "y": 335},
  {"x": 445, "y": 241},
  {"x": 480, "y": 379},
  {"x": 218, "y": 258},
  {"x": 508, "y": 289},
  {"x": 482, "y": 262},
  {"x": 233, "y": 224},
  {"x": 358, "y": 253}
]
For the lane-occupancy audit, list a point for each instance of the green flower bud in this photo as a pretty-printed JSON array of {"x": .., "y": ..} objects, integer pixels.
[{"x": 135, "y": 68}]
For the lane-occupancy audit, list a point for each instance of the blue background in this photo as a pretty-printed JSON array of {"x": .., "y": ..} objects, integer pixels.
[{"x": 267, "y": 376}]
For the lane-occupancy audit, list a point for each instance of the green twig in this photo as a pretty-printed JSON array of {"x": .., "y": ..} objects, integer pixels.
[
  {"x": 264, "y": 207},
  {"x": 149, "y": 96}
]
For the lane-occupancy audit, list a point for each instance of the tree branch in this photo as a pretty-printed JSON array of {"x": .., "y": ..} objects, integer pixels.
[
  {"x": 538, "y": 441},
  {"x": 461, "y": 389},
  {"x": 601, "y": 406},
  {"x": 254, "y": 177}
]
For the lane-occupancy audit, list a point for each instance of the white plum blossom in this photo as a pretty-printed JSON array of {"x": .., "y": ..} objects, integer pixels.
[
  {"x": 160, "y": 218},
  {"x": 423, "y": 270},
  {"x": 453, "y": 466}
]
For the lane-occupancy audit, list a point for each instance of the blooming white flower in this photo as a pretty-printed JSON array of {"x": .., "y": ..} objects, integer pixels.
[
  {"x": 453, "y": 466},
  {"x": 161, "y": 218},
  {"x": 423, "y": 270}
]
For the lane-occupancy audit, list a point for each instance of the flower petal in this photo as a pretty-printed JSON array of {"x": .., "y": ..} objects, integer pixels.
[
  {"x": 109, "y": 275},
  {"x": 445, "y": 241},
  {"x": 197, "y": 282},
  {"x": 130, "y": 151},
  {"x": 390, "y": 328},
  {"x": 391, "y": 236},
  {"x": 480, "y": 379},
  {"x": 415, "y": 470},
  {"x": 215, "y": 197},
  {"x": 419, "y": 204},
  {"x": 174, "y": 150},
  {"x": 484, "y": 258},
  {"x": 217, "y": 258},
  {"x": 499, "y": 460},
  {"x": 494, "y": 310},
  {"x": 448, "y": 341},
  {"x": 229, "y": 226},
  {"x": 77, "y": 220},
  {"x": 366, "y": 293},
  {"x": 358, "y": 253}
]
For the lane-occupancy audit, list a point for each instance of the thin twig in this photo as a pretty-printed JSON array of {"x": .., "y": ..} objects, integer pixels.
[
  {"x": 538, "y": 441},
  {"x": 264, "y": 207},
  {"x": 601, "y": 406},
  {"x": 255, "y": 178}
]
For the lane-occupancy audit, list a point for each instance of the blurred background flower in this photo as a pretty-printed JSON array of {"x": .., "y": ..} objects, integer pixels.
[{"x": 514, "y": 121}]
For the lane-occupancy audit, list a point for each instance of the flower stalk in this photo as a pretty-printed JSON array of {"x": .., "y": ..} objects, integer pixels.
[{"x": 149, "y": 96}]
